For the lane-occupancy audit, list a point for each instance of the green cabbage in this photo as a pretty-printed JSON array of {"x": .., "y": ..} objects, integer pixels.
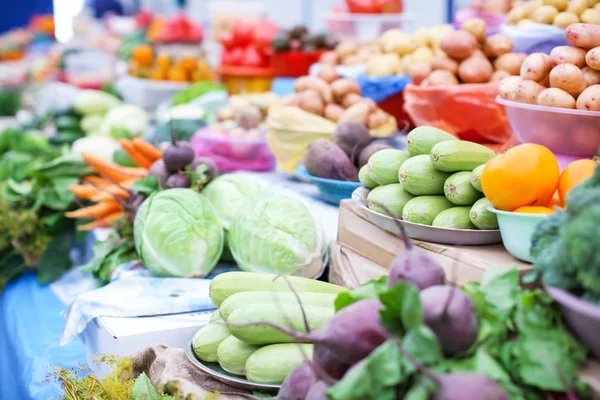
[
  {"x": 177, "y": 233},
  {"x": 94, "y": 102},
  {"x": 230, "y": 193},
  {"x": 277, "y": 233}
]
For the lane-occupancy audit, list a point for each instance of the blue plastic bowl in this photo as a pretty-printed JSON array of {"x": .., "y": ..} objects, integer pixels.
[
  {"x": 516, "y": 230},
  {"x": 332, "y": 191}
]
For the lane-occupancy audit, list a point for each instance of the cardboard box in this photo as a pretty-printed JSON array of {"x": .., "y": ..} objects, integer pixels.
[
  {"x": 356, "y": 233},
  {"x": 126, "y": 336}
]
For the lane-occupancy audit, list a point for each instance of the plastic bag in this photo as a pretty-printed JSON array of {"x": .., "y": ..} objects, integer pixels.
[{"x": 469, "y": 112}]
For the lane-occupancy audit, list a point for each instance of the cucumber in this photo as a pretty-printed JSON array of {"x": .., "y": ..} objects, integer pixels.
[
  {"x": 458, "y": 189},
  {"x": 216, "y": 317},
  {"x": 419, "y": 177},
  {"x": 244, "y": 299},
  {"x": 232, "y": 355},
  {"x": 224, "y": 285},
  {"x": 476, "y": 177},
  {"x": 455, "y": 218},
  {"x": 383, "y": 166},
  {"x": 365, "y": 178},
  {"x": 287, "y": 315},
  {"x": 207, "y": 340},
  {"x": 422, "y": 139},
  {"x": 481, "y": 217},
  {"x": 392, "y": 196},
  {"x": 424, "y": 209},
  {"x": 66, "y": 123},
  {"x": 457, "y": 155},
  {"x": 272, "y": 364}
]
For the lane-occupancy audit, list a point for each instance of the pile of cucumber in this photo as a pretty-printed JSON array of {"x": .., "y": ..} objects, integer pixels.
[
  {"x": 68, "y": 127},
  {"x": 437, "y": 182},
  {"x": 262, "y": 354}
]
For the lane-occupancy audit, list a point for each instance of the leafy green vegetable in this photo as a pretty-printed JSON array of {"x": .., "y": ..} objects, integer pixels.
[
  {"x": 10, "y": 102},
  {"x": 402, "y": 308},
  {"x": 369, "y": 290},
  {"x": 117, "y": 249},
  {"x": 564, "y": 247}
]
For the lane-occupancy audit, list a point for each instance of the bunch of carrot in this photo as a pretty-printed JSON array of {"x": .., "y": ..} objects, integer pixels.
[{"x": 110, "y": 188}]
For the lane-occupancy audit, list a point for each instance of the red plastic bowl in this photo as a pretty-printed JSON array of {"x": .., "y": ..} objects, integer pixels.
[
  {"x": 293, "y": 64},
  {"x": 582, "y": 317}
]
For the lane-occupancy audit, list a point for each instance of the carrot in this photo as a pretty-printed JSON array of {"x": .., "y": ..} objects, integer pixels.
[
  {"x": 110, "y": 195},
  {"x": 149, "y": 151},
  {"x": 96, "y": 211},
  {"x": 101, "y": 223},
  {"x": 97, "y": 181},
  {"x": 85, "y": 192},
  {"x": 135, "y": 155},
  {"x": 111, "y": 170}
]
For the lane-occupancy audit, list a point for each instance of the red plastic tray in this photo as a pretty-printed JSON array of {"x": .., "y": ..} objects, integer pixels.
[{"x": 293, "y": 64}]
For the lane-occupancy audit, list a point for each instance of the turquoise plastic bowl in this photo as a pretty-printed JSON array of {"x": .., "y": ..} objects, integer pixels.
[
  {"x": 516, "y": 230},
  {"x": 332, "y": 191}
]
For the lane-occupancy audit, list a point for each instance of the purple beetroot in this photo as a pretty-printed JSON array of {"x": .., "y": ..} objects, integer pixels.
[
  {"x": 371, "y": 149},
  {"x": 323, "y": 358},
  {"x": 352, "y": 137},
  {"x": 325, "y": 159},
  {"x": 318, "y": 391},
  {"x": 462, "y": 386},
  {"x": 298, "y": 383},
  {"x": 451, "y": 315}
]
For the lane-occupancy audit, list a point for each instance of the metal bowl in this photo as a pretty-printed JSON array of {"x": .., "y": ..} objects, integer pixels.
[
  {"x": 215, "y": 371},
  {"x": 456, "y": 237}
]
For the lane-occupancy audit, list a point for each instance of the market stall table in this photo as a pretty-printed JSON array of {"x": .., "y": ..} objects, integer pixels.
[{"x": 31, "y": 324}]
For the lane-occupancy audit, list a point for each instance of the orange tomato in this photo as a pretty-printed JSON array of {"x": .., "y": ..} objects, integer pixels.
[
  {"x": 143, "y": 54},
  {"x": 188, "y": 62},
  {"x": 177, "y": 75},
  {"x": 523, "y": 176},
  {"x": 575, "y": 173},
  {"x": 534, "y": 210},
  {"x": 163, "y": 60},
  {"x": 158, "y": 74}
]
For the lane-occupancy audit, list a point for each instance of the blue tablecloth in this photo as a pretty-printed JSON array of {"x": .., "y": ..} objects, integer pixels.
[{"x": 30, "y": 329}]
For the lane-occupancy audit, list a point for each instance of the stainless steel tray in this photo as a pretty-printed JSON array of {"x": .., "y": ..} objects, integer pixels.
[
  {"x": 215, "y": 371},
  {"x": 457, "y": 237}
]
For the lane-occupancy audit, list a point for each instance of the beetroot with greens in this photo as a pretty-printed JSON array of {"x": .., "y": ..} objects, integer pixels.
[{"x": 325, "y": 159}]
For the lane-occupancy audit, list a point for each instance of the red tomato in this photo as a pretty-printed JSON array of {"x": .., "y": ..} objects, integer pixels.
[
  {"x": 143, "y": 19},
  {"x": 226, "y": 40},
  {"x": 361, "y": 6},
  {"x": 243, "y": 32},
  {"x": 252, "y": 57},
  {"x": 264, "y": 32},
  {"x": 237, "y": 56},
  {"x": 388, "y": 6}
]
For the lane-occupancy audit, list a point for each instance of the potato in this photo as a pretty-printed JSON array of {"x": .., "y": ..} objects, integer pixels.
[
  {"x": 591, "y": 16},
  {"x": 329, "y": 58},
  {"x": 351, "y": 99},
  {"x": 536, "y": 67},
  {"x": 545, "y": 82},
  {"x": 310, "y": 82},
  {"x": 526, "y": 21},
  {"x": 290, "y": 100},
  {"x": 422, "y": 55},
  {"x": 311, "y": 101},
  {"x": 445, "y": 63},
  {"x": 568, "y": 55},
  {"x": 333, "y": 112},
  {"x": 554, "y": 97},
  {"x": 497, "y": 76},
  {"x": 396, "y": 41},
  {"x": 418, "y": 72},
  {"x": 352, "y": 59},
  {"x": 459, "y": 45},
  {"x": 497, "y": 45},
  {"x": 328, "y": 73},
  {"x": 569, "y": 78},
  {"x": 577, "y": 7},
  {"x": 383, "y": 65},
  {"x": 589, "y": 99},
  {"x": 437, "y": 33},
  {"x": 357, "y": 113},
  {"x": 586, "y": 36},
  {"x": 527, "y": 91},
  {"x": 592, "y": 58},
  {"x": 531, "y": 6},
  {"x": 545, "y": 14},
  {"x": 510, "y": 62},
  {"x": 440, "y": 78},
  {"x": 475, "y": 70},
  {"x": 516, "y": 15},
  {"x": 378, "y": 119},
  {"x": 592, "y": 77},
  {"x": 346, "y": 48},
  {"x": 343, "y": 87},
  {"x": 508, "y": 87},
  {"x": 564, "y": 19},
  {"x": 421, "y": 37},
  {"x": 476, "y": 27},
  {"x": 560, "y": 5},
  {"x": 597, "y": 7}
]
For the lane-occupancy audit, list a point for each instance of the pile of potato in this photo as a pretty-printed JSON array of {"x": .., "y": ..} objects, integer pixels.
[
  {"x": 336, "y": 99},
  {"x": 470, "y": 57},
  {"x": 349, "y": 52},
  {"x": 560, "y": 13},
  {"x": 567, "y": 78}
]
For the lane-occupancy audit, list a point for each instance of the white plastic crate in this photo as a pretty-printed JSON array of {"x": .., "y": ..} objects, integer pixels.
[{"x": 146, "y": 93}]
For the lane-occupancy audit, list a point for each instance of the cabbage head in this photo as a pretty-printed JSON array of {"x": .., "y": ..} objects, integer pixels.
[
  {"x": 230, "y": 193},
  {"x": 277, "y": 233},
  {"x": 177, "y": 233}
]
